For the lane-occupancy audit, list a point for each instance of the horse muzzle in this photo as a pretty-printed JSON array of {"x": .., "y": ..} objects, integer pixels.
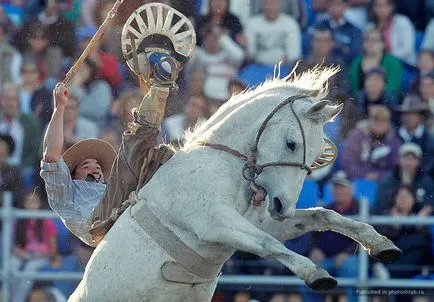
[{"x": 279, "y": 209}]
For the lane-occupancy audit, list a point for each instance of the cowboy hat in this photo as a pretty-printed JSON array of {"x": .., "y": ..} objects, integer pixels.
[
  {"x": 412, "y": 103},
  {"x": 93, "y": 148}
]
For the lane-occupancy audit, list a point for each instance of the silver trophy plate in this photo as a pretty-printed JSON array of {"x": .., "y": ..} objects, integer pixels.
[{"x": 156, "y": 27}]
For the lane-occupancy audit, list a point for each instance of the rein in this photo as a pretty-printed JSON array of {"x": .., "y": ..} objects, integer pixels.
[{"x": 252, "y": 169}]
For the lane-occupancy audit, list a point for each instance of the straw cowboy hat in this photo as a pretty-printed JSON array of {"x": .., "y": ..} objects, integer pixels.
[
  {"x": 412, "y": 103},
  {"x": 97, "y": 149}
]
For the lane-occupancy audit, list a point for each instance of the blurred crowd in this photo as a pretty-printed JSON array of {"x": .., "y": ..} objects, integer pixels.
[{"x": 385, "y": 134}]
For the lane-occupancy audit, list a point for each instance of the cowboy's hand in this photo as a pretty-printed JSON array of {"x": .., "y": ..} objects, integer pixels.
[{"x": 61, "y": 94}]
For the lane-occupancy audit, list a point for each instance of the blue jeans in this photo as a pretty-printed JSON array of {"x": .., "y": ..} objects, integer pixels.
[{"x": 348, "y": 269}]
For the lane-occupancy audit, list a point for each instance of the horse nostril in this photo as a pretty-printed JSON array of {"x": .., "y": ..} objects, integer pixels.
[{"x": 277, "y": 205}]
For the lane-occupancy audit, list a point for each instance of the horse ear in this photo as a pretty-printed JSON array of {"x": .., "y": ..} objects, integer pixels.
[{"x": 323, "y": 112}]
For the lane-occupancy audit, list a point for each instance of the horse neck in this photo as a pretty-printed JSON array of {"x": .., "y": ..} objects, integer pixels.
[{"x": 239, "y": 130}]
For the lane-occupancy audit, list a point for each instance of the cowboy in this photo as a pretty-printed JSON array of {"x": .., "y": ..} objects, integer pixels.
[{"x": 89, "y": 185}]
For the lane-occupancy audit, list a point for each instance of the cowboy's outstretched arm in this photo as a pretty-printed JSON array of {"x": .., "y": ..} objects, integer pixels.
[{"x": 53, "y": 140}]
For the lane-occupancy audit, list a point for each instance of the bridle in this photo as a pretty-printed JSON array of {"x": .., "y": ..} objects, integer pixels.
[{"x": 252, "y": 169}]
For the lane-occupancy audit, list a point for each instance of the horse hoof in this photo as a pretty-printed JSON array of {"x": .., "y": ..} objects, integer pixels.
[
  {"x": 320, "y": 280},
  {"x": 388, "y": 255}
]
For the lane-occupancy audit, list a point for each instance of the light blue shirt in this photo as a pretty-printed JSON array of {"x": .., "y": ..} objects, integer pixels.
[{"x": 73, "y": 200}]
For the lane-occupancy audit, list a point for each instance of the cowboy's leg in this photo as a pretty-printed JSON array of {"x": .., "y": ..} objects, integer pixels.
[
  {"x": 320, "y": 219},
  {"x": 136, "y": 151}
]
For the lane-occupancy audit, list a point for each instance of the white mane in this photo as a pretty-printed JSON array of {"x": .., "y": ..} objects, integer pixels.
[{"x": 313, "y": 82}]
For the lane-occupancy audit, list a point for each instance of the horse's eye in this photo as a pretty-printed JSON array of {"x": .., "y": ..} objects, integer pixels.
[{"x": 290, "y": 144}]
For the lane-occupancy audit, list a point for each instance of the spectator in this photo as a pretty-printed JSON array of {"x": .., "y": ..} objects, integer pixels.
[
  {"x": 322, "y": 54},
  {"x": 10, "y": 59},
  {"x": 357, "y": 12},
  {"x": 428, "y": 40},
  {"x": 11, "y": 28},
  {"x": 408, "y": 172},
  {"x": 75, "y": 127},
  {"x": 373, "y": 93},
  {"x": 35, "y": 244},
  {"x": 273, "y": 36},
  {"x": 413, "y": 241},
  {"x": 294, "y": 8},
  {"x": 10, "y": 176},
  {"x": 41, "y": 293},
  {"x": 220, "y": 16},
  {"x": 219, "y": 58},
  {"x": 347, "y": 37},
  {"x": 398, "y": 31},
  {"x": 371, "y": 149},
  {"x": 413, "y": 114},
  {"x": 426, "y": 88},
  {"x": 107, "y": 64},
  {"x": 195, "y": 110},
  {"x": 123, "y": 107},
  {"x": 425, "y": 65},
  {"x": 60, "y": 32},
  {"x": 24, "y": 129},
  {"x": 94, "y": 94},
  {"x": 339, "y": 258},
  {"x": 34, "y": 98},
  {"x": 374, "y": 56},
  {"x": 47, "y": 57}
]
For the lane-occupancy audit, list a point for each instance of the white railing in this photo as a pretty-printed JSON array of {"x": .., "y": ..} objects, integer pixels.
[{"x": 8, "y": 214}]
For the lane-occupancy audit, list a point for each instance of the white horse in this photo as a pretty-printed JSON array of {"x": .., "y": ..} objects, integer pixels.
[{"x": 196, "y": 211}]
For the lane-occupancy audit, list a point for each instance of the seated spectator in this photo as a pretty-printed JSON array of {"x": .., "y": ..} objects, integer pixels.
[
  {"x": 42, "y": 293},
  {"x": 407, "y": 172},
  {"x": 347, "y": 37},
  {"x": 174, "y": 126},
  {"x": 273, "y": 37},
  {"x": 398, "y": 31},
  {"x": 414, "y": 241},
  {"x": 428, "y": 40},
  {"x": 413, "y": 115},
  {"x": 106, "y": 63},
  {"x": 371, "y": 149},
  {"x": 294, "y": 8},
  {"x": 339, "y": 258},
  {"x": 219, "y": 15},
  {"x": 76, "y": 127},
  {"x": 34, "y": 98},
  {"x": 425, "y": 89},
  {"x": 373, "y": 93},
  {"x": 322, "y": 54},
  {"x": 357, "y": 12},
  {"x": 94, "y": 94},
  {"x": 10, "y": 59},
  {"x": 123, "y": 107},
  {"x": 59, "y": 31},
  {"x": 219, "y": 59},
  {"x": 47, "y": 57},
  {"x": 425, "y": 65},
  {"x": 35, "y": 243},
  {"x": 10, "y": 176},
  {"x": 375, "y": 56},
  {"x": 24, "y": 129}
]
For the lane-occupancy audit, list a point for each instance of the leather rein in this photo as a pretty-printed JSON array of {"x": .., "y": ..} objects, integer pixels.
[{"x": 252, "y": 169}]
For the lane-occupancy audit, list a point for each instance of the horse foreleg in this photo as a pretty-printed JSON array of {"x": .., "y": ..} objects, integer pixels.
[
  {"x": 226, "y": 226},
  {"x": 320, "y": 219}
]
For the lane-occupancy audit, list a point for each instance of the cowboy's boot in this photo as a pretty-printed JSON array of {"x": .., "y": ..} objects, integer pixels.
[{"x": 164, "y": 72}]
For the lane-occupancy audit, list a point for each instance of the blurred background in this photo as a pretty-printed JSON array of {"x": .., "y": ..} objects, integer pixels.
[{"x": 385, "y": 134}]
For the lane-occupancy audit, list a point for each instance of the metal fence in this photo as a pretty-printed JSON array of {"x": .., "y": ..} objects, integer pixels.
[{"x": 8, "y": 214}]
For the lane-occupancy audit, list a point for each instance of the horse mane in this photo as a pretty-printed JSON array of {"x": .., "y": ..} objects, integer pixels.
[{"x": 313, "y": 82}]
